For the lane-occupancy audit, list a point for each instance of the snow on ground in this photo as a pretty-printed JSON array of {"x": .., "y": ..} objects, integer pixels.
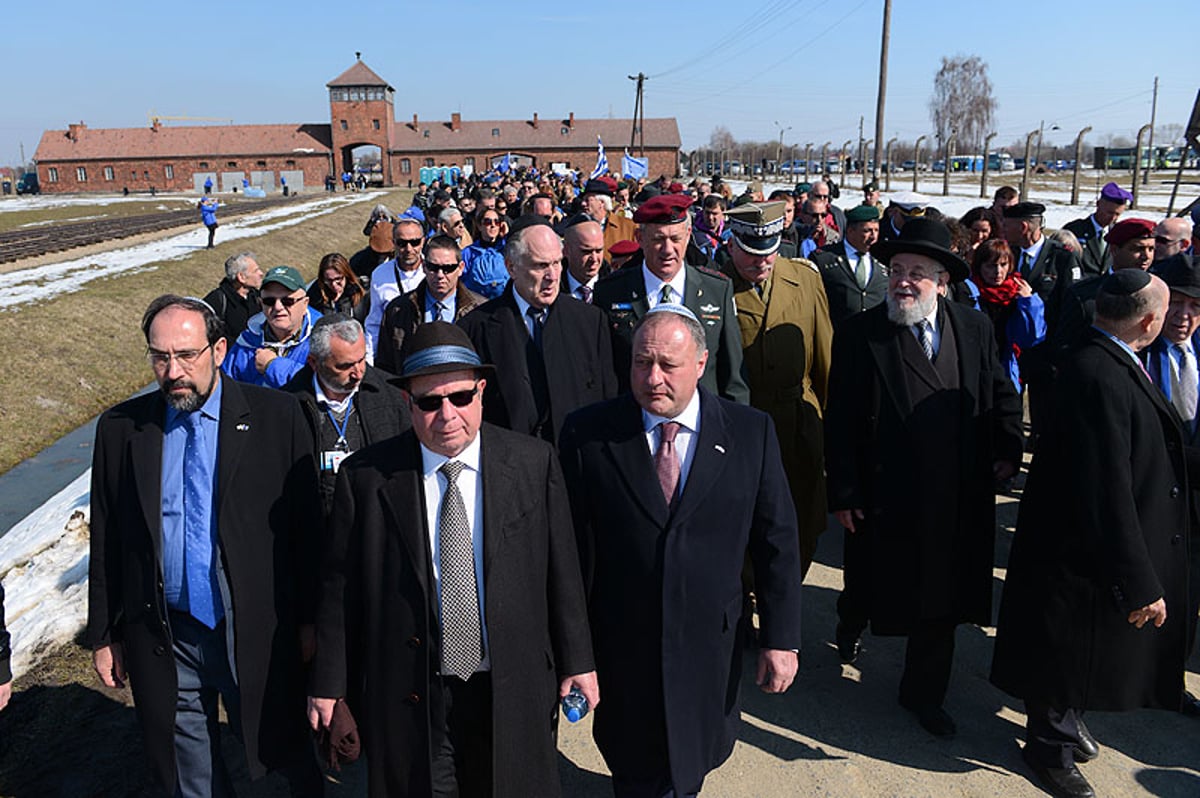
[
  {"x": 44, "y": 201},
  {"x": 44, "y": 568},
  {"x": 43, "y": 282}
]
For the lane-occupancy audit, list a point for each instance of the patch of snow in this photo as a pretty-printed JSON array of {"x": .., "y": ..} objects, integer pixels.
[
  {"x": 43, "y": 282},
  {"x": 44, "y": 568}
]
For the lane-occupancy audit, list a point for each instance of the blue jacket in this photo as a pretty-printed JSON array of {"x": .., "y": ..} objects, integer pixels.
[
  {"x": 239, "y": 363},
  {"x": 1024, "y": 328},
  {"x": 485, "y": 272},
  {"x": 208, "y": 211}
]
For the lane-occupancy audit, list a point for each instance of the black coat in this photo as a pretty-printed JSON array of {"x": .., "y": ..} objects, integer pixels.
[
  {"x": 5, "y": 651},
  {"x": 1096, "y": 258},
  {"x": 665, "y": 587},
  {"x": 380, "y": 406},
  {"x": 577, "y": 362},
  {"x": 354, "y": 302},
  {"x": 268, "y": 522},
  {"x": 841, "y": 287},
  {"x": 1102, "y": 531},
  {"x": 919, "y": 554},
  {"x": 708, "y": 294},
  {"x": 233, "y": 309},
  {"x": 1050, "y": 276},
  {"x": 377, "y": 628}
]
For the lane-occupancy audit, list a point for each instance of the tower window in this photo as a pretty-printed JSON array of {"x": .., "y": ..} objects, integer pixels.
[
  {"x": 496, "y": 132},
  {"x": 344, "y": 125},
  {"x": 375, "y": 124}
]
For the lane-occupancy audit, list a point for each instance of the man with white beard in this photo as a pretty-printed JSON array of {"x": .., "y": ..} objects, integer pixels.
[{"x": 921, "y": 422}]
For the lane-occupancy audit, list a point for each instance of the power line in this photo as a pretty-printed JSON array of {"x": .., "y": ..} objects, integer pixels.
[{"x": 736, "y": 36}]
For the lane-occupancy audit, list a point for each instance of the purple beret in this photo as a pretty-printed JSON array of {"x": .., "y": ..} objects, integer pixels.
[{"x": 1114, "y": 193}]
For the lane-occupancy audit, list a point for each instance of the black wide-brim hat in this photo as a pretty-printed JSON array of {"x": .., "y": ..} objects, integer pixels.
[
  {"x": 924, "y": 236},
  {"x": 440, "y": 348}
]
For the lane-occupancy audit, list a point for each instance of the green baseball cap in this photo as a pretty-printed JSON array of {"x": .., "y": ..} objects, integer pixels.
[{"x": 287, "y": 276}]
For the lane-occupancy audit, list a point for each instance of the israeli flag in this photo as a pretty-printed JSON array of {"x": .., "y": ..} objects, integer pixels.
[
  {"x": 601, "y": 161},
  {"x": 636, "y": 168},
  {"x": 505, "y": 165}
]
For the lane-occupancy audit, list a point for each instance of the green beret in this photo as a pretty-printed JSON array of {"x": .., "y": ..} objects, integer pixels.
[{"x": 862, "y": 213}]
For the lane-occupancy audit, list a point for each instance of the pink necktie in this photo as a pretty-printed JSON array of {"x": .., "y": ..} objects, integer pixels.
[{"x": 666, "y": 461}]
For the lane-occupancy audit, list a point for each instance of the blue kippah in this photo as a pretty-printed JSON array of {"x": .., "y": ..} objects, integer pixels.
[{"x": 673, "y": 307}]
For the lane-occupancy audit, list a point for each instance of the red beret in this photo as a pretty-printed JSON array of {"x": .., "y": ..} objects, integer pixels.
[
  {"x": 1127, "y": 230},
  {"x": 608, "y": 181},
  {"x": 625, "y": 247},
  {"x": 663, "y": 209},
  {"x": 675, "y": 188}
]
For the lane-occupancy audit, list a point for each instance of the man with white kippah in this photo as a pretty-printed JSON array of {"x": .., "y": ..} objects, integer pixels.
[{"x": 671, "y": 488}]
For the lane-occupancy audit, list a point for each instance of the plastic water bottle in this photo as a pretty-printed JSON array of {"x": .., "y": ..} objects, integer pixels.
[{"x": 574, "y": 705}]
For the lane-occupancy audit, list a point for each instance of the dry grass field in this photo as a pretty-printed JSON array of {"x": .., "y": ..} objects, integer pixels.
[{"x": 70, "y": 357}]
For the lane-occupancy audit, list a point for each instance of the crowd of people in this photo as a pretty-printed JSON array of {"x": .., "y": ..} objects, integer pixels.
[{"x": 544, "y": 437}]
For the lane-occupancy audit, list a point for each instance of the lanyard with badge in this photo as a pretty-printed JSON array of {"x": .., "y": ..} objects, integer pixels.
[{"x": 331, "y": 460}]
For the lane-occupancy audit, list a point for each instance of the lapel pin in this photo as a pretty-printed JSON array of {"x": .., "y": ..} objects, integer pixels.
[
  {"x": 242, "y": 427},
  {"x": 719, "y": 448}
]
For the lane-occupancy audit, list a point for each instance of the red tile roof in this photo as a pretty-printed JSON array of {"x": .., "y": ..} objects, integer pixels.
[
  {"x": 521, "y": 134},
  {"x": 182, "y": 142},
  {"x": 358, "y": 75}
]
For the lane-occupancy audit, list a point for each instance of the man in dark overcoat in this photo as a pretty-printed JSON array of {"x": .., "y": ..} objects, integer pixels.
[
  {"x": 1095, "y": 613},
  {"x": 921, "y": 421},
  {"x": 453, "y": 675},
  {"x": 202, "y": 575},
  {"x": 670, "y": 489},
  {"x": 552, "y": 354}
]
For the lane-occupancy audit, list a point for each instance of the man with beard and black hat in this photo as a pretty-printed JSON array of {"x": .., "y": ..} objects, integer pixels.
[
  {"x": 204, "y": 526},
  {"x": 786, "y": 338},
  {"x": 921, "y": 422}
]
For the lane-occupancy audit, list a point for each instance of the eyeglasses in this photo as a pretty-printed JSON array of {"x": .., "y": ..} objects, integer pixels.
[
  {"x": 433, "y": 402},
  {"x": 818, "y": 196},
  {"x": 186, "y": 359},
  {"x": 409, "y": 242},
  {"x": 912, "y": 275},
  {"x": 491, "y": 222},
  {"x": 444, "y": 268},
  {"x": 1165, "y": 241},
  {"x": 286, "y": 301}
]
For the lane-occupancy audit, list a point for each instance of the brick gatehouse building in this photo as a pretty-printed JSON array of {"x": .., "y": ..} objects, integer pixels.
[{"x": 361, "y": 113}]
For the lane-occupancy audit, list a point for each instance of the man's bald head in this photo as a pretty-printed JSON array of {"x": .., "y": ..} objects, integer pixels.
[
  {"x": 583, "y": 246},
  {"x": 1172, "y": 236},
  {"x": 1134, "y": 316}
]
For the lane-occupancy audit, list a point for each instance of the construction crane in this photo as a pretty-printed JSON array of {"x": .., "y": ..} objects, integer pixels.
[{"x": 153, "y": 118}]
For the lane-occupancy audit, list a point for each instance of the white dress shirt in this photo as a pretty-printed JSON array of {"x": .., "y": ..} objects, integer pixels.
[
  {"x": 573, "y": 284},
  {"x": 470, "y": 485},
  {"x": 685, "y": 438},
  {"x": 385, "y": 288},
  {"x": 852, "y": 256},
  {"x": 654, "y": 286},
  {"x": 1030, "y": 254},
  {"x": 523, "y": 309}
]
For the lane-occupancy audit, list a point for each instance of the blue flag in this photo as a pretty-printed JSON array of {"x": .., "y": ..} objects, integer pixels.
[
  {"x": 601, "y": 161},
  {"x": 635, "y": 168},
  {"x": 505, "y": 165}
]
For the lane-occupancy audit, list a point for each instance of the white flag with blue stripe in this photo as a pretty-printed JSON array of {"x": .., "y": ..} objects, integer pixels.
[
  {"x": 636, "y": 168},
  {"x": 601, "y": 161}
]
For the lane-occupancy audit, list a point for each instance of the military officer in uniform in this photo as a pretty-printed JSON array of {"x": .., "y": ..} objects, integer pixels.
[
  {"x": 1096, "y": 258},
  {"x": 664, "y": 230},
  {"x": 786, "y": 337},
  {"x": 854, "y": 281}
]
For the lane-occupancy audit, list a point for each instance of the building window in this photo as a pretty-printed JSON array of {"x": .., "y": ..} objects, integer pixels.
[
  {"x": 261, "y": 163},
  {"x": 51, "y": 175},
  {"x": 231, "y": 163},
  {"x": 469, "y": 161},
  {"x": 496, "y": 132},
  {"x": 405, "y": 166},
  {"x": 375, "y": 124},
  {"x": 133, "y": 174},
  {"x": 429, "y": 162},
  {"x": 425, "y": 133},
  {"x": 565, "y": 131},
  {"x": 204, "y": 164},
  {"x": 109, "y": 174},
  {"x": 81, "y": 174},
  {"x": 169, "y": 172},
  {"x": 146, "y": 175},
  {"x": 344, "y": 125},
  {"x": 289, "y": 163}
]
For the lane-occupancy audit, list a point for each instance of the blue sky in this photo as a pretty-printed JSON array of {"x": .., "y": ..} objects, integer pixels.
[{"x": 810, "y": 65}]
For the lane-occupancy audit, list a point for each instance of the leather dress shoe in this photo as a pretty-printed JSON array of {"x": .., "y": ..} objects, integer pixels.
[
  {"x": 848, "y": 644},
  {"x": 1065, "y": 782},
  {"x": 1189, "y": 705},
  {"x": 933, "y": 719},
  {"x": 1086, "y": 748}
]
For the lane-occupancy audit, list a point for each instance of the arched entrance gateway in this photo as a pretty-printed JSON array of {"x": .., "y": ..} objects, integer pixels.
[{"x": 366, "y": 160}]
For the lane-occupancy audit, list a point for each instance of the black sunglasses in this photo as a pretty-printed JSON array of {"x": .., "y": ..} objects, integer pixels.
[
  {"x": 444, "y": 268},
  {"x": 431, "y": 403},
  {"x": 411, "y": 242},
  {"x": 286, "y": 301}
]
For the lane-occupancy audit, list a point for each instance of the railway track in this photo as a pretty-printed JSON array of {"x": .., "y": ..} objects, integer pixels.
[{"x": 20, "y": 244}]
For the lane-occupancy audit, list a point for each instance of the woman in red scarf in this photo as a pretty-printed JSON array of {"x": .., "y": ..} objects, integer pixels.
[{"x": 1016, "y": 312}]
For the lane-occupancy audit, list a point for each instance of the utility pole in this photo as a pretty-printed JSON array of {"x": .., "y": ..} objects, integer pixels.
[
  {"x": 639, "y": 114},
  {"x": 1153, "y": 113},
  {"x": 860, "y": 152},
  {"x": 883, "y": 62}
]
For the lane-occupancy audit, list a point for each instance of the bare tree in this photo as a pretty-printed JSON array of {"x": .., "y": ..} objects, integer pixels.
[
  {"x": 962, "y": 101},
  {"x": 721, "y": 139}
]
